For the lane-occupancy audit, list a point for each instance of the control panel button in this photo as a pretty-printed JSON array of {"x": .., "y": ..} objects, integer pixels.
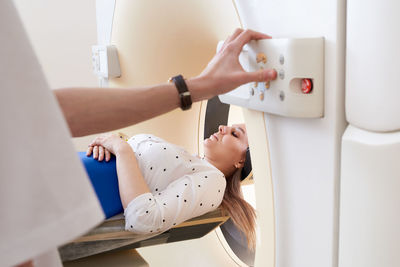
[
  {"x": 281, "y": 95},
  {"x": 251, "y": 91},
  {"x": 281, "y": 74},
  {"x": 306, "y": 86},
  {"x": 281, "y": 59},
  {"x": 261, "y": 57}
]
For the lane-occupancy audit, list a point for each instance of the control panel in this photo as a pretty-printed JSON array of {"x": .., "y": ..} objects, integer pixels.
[{"x": 298, "y": 90}]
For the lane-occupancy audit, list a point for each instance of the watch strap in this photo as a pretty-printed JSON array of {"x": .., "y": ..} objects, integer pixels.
[{"x": 184, "y": 93}]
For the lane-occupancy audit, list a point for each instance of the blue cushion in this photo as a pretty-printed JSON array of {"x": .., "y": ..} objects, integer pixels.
[{"x": 103, "y": 176}]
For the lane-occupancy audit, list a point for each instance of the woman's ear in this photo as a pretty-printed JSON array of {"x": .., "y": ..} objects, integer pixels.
[{"x": 239, "y": 164}]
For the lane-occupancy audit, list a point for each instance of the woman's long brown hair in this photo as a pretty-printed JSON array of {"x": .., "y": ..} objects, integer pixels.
[{"x": 242, "y": 213}]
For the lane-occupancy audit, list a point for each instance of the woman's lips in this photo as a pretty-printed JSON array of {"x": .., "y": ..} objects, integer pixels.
[{"x": 215, "y": 136}]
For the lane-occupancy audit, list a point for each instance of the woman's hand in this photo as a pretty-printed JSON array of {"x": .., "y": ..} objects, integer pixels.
[
  {"x": 225, "y": 71},
  {"x": 105, "y": 145}
]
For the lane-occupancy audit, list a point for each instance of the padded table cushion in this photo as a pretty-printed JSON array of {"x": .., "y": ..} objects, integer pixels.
[{"x": 103, "y": 176}]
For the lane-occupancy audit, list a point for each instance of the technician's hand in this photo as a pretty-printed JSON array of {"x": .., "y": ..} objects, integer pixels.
[
  {"x": 105, "y": 145},
  {"x": 225, "y": 71}
]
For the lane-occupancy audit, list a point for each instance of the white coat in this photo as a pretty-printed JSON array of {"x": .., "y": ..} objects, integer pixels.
[{"x": 45, "y": 197}]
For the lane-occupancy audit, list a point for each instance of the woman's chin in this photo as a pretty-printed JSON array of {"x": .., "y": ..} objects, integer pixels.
[{"x": 207, "y": 143}]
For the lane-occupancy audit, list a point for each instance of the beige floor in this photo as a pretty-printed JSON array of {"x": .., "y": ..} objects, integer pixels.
[{"x": 126, "y": 258}]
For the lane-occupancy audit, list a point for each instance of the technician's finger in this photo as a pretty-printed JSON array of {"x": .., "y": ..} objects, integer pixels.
[
  {"x": 95, "y": 152},
  {"x": 101, "y": 153},
  {"x": 89, "y": 151},
  {"x": 108, "y": 155},
  {"x": 248, "y": 35},
  {"x": 260, "y": 76},
  {"x": 235, "y": 34}
]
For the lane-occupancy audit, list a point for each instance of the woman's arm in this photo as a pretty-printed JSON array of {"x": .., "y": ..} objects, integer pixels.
[{"x": 130, "y": 179}]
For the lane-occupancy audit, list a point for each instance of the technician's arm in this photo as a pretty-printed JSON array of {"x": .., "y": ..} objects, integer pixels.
[
  {"x": 94, "y": 110},
  {"x": 90, "y": 111}
]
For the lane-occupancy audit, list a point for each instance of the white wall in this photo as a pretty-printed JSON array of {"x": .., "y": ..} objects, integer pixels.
[{"x": 62, "y": 33}]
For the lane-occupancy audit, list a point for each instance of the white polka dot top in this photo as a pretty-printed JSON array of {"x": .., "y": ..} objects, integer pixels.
[{"x": 182, "y": 186}]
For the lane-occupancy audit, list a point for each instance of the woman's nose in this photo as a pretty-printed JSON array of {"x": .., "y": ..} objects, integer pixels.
[{"x": 221, "y": 129}]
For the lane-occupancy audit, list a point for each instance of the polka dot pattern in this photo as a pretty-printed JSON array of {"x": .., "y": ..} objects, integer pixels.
[{"x": 183, "y": 186}]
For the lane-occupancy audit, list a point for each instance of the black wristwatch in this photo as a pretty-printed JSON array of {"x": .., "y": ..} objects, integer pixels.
[{"x": 184, "y": 94}]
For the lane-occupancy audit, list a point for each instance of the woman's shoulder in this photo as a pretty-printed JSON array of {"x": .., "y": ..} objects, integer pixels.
[
  {"x": 210, "y": 174},
  {"x": 213, "y": 169}
]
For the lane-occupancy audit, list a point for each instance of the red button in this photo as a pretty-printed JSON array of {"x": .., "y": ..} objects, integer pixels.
[{"x": 306, "y": 86}]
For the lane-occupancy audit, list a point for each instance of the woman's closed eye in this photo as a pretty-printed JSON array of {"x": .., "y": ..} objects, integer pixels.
[{"x": 234, "y": 134}]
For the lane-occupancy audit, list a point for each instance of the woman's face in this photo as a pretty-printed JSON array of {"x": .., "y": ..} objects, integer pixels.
[{"x": 227, "y": 146}]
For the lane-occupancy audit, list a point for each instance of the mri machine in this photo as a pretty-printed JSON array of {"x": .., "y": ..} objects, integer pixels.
[
  {"x": 325, "y": 184},
  {"x": 325, "y": 181}
]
